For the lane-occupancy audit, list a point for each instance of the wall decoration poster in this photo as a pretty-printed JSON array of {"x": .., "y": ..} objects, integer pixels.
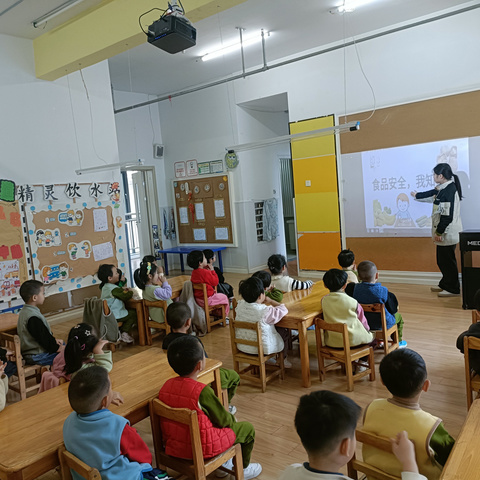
[
  {"x": 221, "y": 233},
  {"x": 219, "y": 208},
  {"x": 216, "y": 166},
  {"x": 14, "y": 268},
  {"x": 183, "y": 215},
  {"x": 102, "y": 251},
  {"x": 204, "y": 168},
  {"x": 9, "y": 278},
  {"x": 100, "y": 220},
  {"x": 199, "y": 212},
  {"x": 180, "y": 170},
  {"x": 192, "y": 168},
  {"x": 200, "y": 234}
]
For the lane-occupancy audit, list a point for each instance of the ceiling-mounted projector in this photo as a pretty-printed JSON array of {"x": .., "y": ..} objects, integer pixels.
[{"x": 172, "y": 32}]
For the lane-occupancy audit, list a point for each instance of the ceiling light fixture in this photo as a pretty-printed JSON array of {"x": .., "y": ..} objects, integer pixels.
[
  {"x": 349, "y": 6},
  {"x": 246, "y": 41},
  {"x": 53, "y": 13},
  {"x": 322, "y": 132},
  {"x": 109, "y": 166}
]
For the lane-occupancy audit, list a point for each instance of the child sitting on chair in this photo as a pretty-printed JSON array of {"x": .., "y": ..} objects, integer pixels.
[
  {"x": 179, "y": 317},
  {"x": 371, "y": 291},
  {"x": 270, "y": 290},
  {"x": 346, "y": 259},
  {"x": 38, "y": 344},
  {"x": 404, "y": 373},
  {"x": 255, "y": 308},
  {"x": 325, "y": 422},
  {"x": 154, "y": 285},
  {"x": 203, "y": 272},
  {"x": 100, "y": 438},
  {"x": 278, "y": 266},
  {"x": 223, "y": 286},
  {"x": 218, "y": 428},
  {"x": 338, "y": 307}
]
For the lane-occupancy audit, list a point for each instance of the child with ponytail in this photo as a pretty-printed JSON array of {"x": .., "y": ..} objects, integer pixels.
[
  {"x": 151, "y": 280},
  {"x": 116, "y": 297}
]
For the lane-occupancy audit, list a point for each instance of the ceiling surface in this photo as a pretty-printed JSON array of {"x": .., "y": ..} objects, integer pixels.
[{"x": 296, "y": 27}]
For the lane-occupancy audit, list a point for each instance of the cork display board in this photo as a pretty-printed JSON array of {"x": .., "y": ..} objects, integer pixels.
[
  {"x": 14, "y": 258},
  {"x": 203, "y": 210}
]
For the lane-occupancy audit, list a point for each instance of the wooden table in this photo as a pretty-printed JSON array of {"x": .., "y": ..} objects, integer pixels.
[
  {"x": 464, "y": 460},
  {"x": 303, "y": 306},
  {"x": 31, "y": 430},
  {"x": 137, "y": 304}
]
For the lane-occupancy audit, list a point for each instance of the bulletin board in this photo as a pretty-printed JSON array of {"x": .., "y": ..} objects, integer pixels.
[
  {"x": 453, "y": 116},
  {"x": 14, "y": 256},
  {"x": 203, "y": 210}
]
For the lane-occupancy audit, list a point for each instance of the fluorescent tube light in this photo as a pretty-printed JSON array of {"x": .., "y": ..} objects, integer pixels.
[
  {"x": 53, "y": 13},
  {"x": 247, "y": 41},
  {"x": 109, "y": 166},
  {"x": 344, "y": 127},
  {"x": 349, "y": 6}
]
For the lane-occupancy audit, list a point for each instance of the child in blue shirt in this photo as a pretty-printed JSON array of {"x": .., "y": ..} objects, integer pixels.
[{"x": 370, "y": 291}]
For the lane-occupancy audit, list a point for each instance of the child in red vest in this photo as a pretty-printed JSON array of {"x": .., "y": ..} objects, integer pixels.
[
  {"x": 203, "y": 272},
  {"x": 219, "y": 429}
]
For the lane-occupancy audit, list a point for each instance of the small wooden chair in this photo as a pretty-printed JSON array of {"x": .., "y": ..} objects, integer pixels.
[
  {"x": 210, "y": 317},
  {"x": 24, "y": 372},
  {"x": 472, "y": 379},
  {"x": 354, "y": 466},
  {"x": 475, "y": 316},
  {"x": 256, "y": 371},
  {"x": 149, "y": 324},
  {"x": 389, "y": 336},
  {"x": 70, "y": 461},
  {"x": 343, "y": 357},
  {"x": 198, "y": 467}
]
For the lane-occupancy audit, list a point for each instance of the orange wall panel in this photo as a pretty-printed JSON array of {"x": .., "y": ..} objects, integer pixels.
[{"x": 318, "y": 251}]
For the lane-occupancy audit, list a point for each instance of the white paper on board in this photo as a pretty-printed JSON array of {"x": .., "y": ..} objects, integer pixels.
[
  {"x": 199, "y": 212},
  {"x": 102, "y": 251},
  {"x": 221, "y": 233},
  {"x": 219, "y": 209},
  {"x": 200, "y": 234},
  {"x": 100, "y": 223},
  {"x": 183, "y": 215}
]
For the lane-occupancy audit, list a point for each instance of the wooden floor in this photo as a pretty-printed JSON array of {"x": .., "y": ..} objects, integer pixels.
[{"x": 431, "y": 328}]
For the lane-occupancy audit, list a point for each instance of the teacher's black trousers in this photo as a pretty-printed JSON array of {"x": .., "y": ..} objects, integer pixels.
[{"x": 447, "y": 263}]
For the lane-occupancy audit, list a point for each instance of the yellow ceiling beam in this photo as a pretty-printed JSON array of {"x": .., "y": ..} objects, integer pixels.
[{"x": 106, "y": 30}]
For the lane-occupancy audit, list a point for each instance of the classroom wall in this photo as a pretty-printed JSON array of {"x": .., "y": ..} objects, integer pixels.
[
  {"x": 41, "y": 140},
  {"x": 427, "y": 61}
]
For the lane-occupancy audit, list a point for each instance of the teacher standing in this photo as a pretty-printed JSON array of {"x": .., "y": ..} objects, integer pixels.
[{"x": 446, "y": 225}]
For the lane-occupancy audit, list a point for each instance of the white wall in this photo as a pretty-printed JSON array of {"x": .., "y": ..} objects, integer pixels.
[{"x": 46, "y": 129}]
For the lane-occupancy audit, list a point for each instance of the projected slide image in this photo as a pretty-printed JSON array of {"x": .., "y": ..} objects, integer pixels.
[{"x": 389, "y": 175}]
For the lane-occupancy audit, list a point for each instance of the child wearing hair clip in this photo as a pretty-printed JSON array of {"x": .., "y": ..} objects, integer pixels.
[
  {"x": 151, "y": 280},
  {"x": 84, "y": 349}
]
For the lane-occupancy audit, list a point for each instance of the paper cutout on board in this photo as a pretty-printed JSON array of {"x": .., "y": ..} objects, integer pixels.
[
  {"x": 114, "y": 192},
  {"x": 102, "y": 251},
  {"x": 200, "y": 234},
  {"x": 7, "y": 190},
  {"x": 199, "y": 212},
  {"x": 219, "y": 208},
  {"x": 9, "y": 278},
  {"x": 183, "y": 211},
  {"x": 4, "y": 251},
  {"x": 94, "y": 190},
  {"x": 54, "y": 273},
  {"x": 72, "y": 218},
  {"x": 49, "y": 192},
  {"x": 221, "y": 233},
  {"x": 118, "y": 221},
  {"x": 48, "y": 238},
  {"x": 25, "y": 193},
  {"x": 100, "y": 222},
  {"x": 72, "y": 190},
  {"x": 16, "y": 251},
  {"x": 79, "y": 250},
  {"x": 2, "y": 213},
  {"x": 15, "y": 219}
]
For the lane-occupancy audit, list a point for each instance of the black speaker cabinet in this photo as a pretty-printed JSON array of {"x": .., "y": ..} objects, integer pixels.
[{"x": 469, "y": 244}]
